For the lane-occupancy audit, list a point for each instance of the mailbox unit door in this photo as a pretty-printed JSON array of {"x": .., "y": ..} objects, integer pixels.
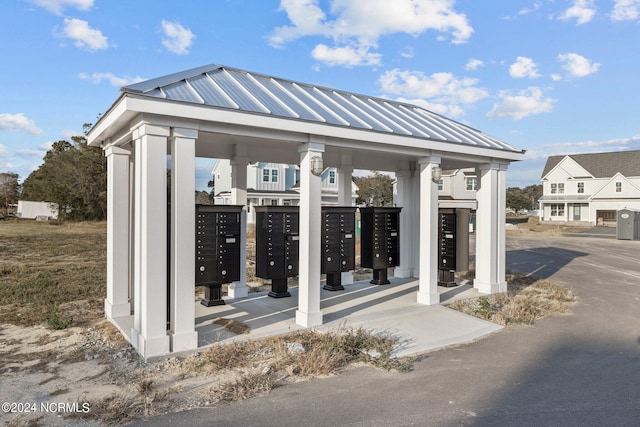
[
  {"x": 380, "y": 243},
  {"x": 217, "y": 244},
  {"x": 277, "y": 241},
  {"x": 447, "y": 242},
  {"x": 337, "y": 239}
]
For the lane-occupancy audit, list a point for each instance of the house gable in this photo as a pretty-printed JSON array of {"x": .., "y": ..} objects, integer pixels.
[
  {"x": 564, "y": 169},
  {"x": 627, "y": 189}
]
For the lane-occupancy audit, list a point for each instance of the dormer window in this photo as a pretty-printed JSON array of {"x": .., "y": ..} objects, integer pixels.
[
  {"x": 269, "y": 175},
  {"x": 332, "y": 177},
  {"x": 472, "y": 183}
]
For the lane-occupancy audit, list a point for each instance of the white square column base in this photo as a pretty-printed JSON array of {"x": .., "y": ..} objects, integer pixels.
[
  {"x": 238, "y": 290},
  {"x": 427, "y": 298},
  {"x": 113, "y": 311},
  {"x": 346, "y": 278},
  {"x": 184, "y": 341},
  {"x": 490, "y": 288},
  {"x": 403, "y": 273},
  {"x": 308, "y": 320},
  {"x": 151, "y": 347}
]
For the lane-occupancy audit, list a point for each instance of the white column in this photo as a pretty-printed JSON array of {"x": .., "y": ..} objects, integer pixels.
[
  {"x": 428, "y": 283},
  {"x": 182, "y": 331},
  {"x": 118, "y": 233},
  {"x": 239, "y": 164},
  {"x": 404, "y": 198},
  {"x": 490, "y": 233},
  {"x": 149, "y": 334},
  {"x": 345, "y": 189},
  {"x": 308, "y": 313}
]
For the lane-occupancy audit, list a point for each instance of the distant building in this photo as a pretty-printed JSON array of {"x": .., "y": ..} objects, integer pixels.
[
  {"x": 590, "y": 187},
  {"x": 273, "y": 184},
  {"x": 32, "y": 210}
]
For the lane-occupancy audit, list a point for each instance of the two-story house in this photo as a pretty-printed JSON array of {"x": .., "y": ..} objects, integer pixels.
[
  {"x": 457, "y": 189},
  {"x": 590, "y": 187},
  {"x": 273, "y": 184}
]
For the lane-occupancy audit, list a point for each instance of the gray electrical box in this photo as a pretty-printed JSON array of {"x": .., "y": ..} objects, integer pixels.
[{"x": 628, "y": 224}]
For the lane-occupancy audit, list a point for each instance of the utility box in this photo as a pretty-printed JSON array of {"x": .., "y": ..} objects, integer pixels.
[
  {"x": 277, "y": 246},
  {"x": 380, "y": 241},
  {"x": 628, "y": 224},
  {"x": 447, "y": 247},
  {"x": 338, "y": 239},
  {"x": 217, "y": 249}
]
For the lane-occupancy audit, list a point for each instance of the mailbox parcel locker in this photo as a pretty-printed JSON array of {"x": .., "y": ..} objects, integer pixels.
[
  {"x": 338, "y": 239},
  {"x": 217, "y": 249},
  {"x": 380, "y": 241},
  {"x": 277, "y": 246},
  {"x": 447, "y": 248}
]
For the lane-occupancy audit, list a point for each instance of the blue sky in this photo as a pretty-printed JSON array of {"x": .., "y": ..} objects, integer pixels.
[{"x": 548, "y": 76}]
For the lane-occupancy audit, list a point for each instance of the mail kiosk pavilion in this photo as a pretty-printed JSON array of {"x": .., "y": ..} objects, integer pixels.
[{"x": 221, "y": 112}]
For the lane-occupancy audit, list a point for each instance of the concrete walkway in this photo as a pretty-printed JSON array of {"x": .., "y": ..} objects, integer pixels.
[{"x": 390, "y": 309}]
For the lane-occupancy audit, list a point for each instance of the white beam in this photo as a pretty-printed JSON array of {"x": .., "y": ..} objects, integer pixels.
[
  {"x": 118, "y": 233},
  {"x": 308, "y": 313},
  {"x": 182, "y": 331},
  {"x": 428, "y": 283}
]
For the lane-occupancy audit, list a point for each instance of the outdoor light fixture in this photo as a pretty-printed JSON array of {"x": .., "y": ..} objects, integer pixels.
[
  {"x": 436, "y": 174},
  {"x": 316, "y": 165}
]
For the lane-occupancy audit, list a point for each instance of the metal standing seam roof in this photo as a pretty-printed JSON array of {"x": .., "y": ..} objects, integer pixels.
[{"x": 230, "y": 88}]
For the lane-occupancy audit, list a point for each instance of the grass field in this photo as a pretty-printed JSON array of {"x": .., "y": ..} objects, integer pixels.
[{"x": 51, "y": 270}]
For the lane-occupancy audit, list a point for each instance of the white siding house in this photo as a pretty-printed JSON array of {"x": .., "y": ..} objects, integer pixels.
[
  {"x": 457, "y": 189},
  {"x": 273, "y": 184},
  {"x": 590, "y": 187}
]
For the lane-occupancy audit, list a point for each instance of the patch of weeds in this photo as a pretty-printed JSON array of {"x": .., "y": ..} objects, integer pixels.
[
  {"x": 242, "y": 388},
  {"x": 115, "y": 409},
  {"x": 57, "y": 322}
]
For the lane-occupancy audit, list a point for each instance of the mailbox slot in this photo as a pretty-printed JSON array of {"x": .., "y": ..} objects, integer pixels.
[
  {"x": 338, "y": 252},
  {"x": 447, "y": 248},
  {"x": 217, "y": 249},
  {"x": 277, "y": 246},
  {"x": 380, "y": 241}
]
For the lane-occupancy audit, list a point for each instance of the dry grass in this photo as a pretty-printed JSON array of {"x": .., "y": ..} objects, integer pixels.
[
  {"x": 527, "y": 300},
  {"x": 46, "y": 265}
]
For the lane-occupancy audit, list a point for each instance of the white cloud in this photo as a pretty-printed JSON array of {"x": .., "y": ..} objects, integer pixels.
[
  {"x": 83, "y": 35},
  {"x": 57, "y": 6},
  {"x": 114, "y": 80},
  {"x": 527, "y": 102},
  {"x": 407, "y": 52},
  {"x": 18, "y": 123},
  {"x": 441, "y": 91},
  {"x": 537, "y": 5},
  {"x": 347, "y": 56},
  {"x": 473, "y": 64},
  {"x": 625, "y": 10},
  {"x": 523, "y": 68},
  {"x": 577, "y": 65},
  {"x": 582, "y": 11},
  {"x": 362, "y": 22},
  {"x": 177, "y": 39}
]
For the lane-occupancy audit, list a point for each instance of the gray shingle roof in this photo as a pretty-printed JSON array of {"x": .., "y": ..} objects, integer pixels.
[
  {"x": 602, "y": 165},
  {"x": 230, "y": 88}
]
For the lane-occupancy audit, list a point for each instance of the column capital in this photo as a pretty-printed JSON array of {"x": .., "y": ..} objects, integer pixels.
[
  {"x": 151, "y": 129},
  {"x": 433, "y": 159},
  {"x": 113, "y": 150},
  {"x": 178, "y": 132},
  {"x": 493, "y": 166},
  {"x": 315, "y": 147},
  {"x": 239, "y": 161}
]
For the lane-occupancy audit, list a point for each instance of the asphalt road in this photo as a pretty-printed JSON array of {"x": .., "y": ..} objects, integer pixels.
[{"x": 581, "y": 369}]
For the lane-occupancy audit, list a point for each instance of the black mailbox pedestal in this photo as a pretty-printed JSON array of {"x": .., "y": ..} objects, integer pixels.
[
  {"x": 380, "y": 241},
  {"x": 277, "y": 246},
  {"x": 447, "y": 248},
  {"x": 338, "y": 244},
  {"x": 217, "y": 249}
]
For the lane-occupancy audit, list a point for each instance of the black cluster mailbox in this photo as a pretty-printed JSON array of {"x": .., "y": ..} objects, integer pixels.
[
  {"x": 277, "y": 246},
  {"x": 380, "y": 241},
  {"x": 217, "y": 249},
  {"x": 338, "y": 244},
  {"x": 447, "y": 248}
]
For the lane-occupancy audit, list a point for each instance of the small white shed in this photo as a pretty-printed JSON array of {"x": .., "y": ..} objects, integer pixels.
[{"x": 32, "y": 210}]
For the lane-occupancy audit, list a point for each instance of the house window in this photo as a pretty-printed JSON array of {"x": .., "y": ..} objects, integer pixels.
[
  {"x": 472, "y": 183},
  {"x": 440, "y": 185},
  {"x": 274, "y": 202},
  {"x": 332, "y": 177},
  {"x": 581, "y": 188},
  {"x": 557, "y": 209},
  {"x": 557, "y": 188},
  {"x": 618, "y": 187},
  {"x": 269, "y": 175}
]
